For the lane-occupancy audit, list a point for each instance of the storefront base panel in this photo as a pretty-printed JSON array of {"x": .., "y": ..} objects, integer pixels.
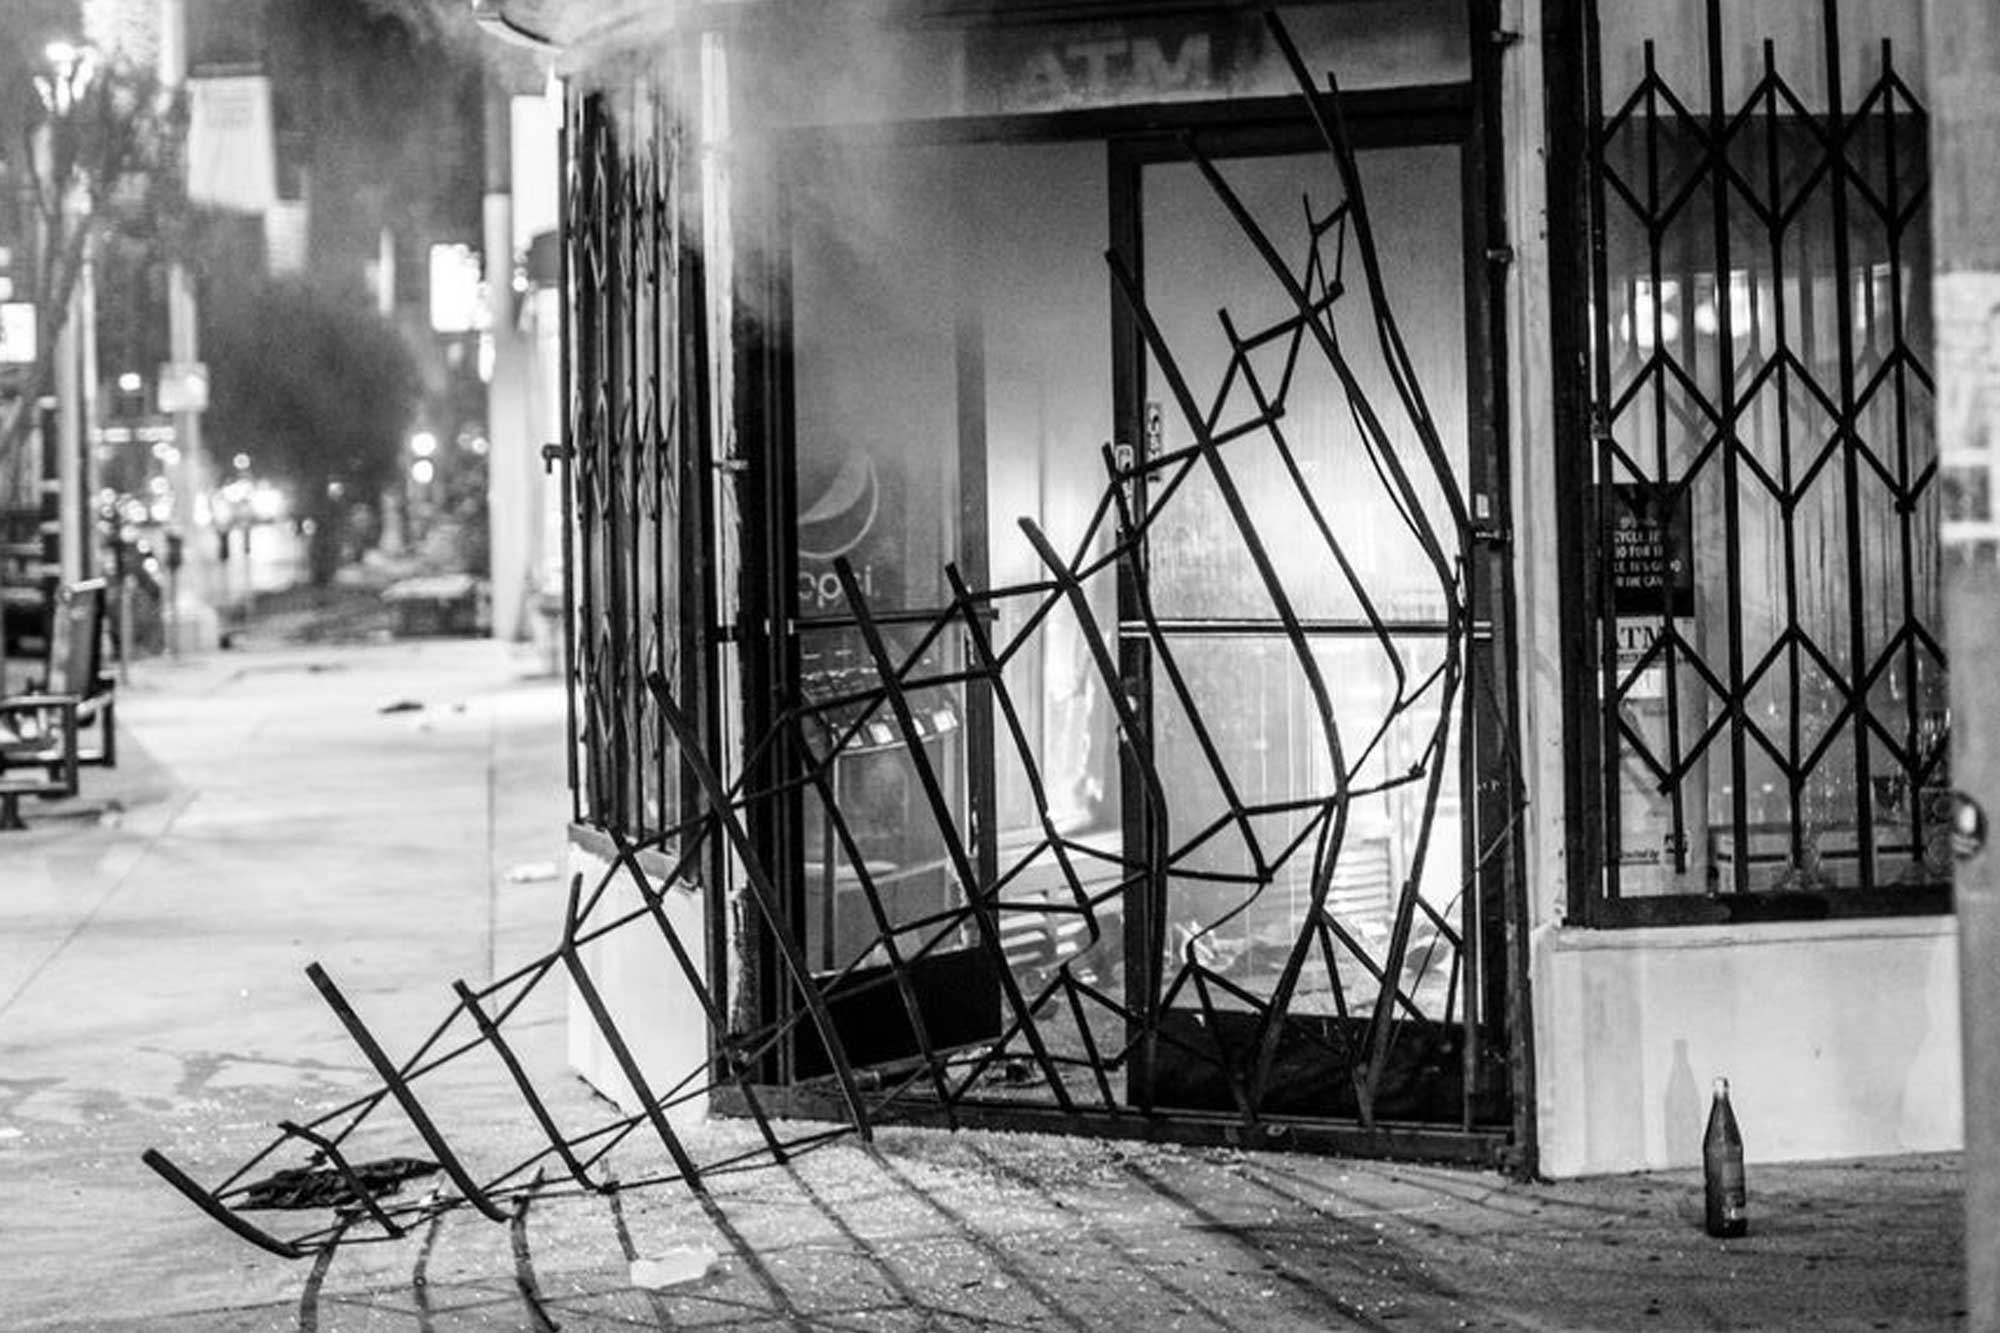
[
  {"x": 647, "y": 995},
  {"x": 1839, "y": 1039}
]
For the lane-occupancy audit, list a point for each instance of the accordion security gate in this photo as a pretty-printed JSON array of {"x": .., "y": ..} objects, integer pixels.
[
  {"x": 1129, "y": 992},
  {"x": 1773, "y": 705}
]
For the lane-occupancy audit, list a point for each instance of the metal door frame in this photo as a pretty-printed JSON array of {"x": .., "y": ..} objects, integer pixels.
[
  {"x": 1491, "y": 783},
  {"x": 1488, "y": 776}
]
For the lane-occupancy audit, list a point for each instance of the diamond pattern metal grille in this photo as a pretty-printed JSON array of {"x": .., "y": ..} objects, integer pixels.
[
  {"x": 624, "y": 452},
  {"x": 1772, "y": 679}
]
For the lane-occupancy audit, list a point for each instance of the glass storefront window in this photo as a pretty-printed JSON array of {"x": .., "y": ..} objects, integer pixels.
[
  {"x": 1237, "y": 897},
  {"x": 1370, "y": 597},
  {"x": 1765, "y": 465},
  {"x": 1204, "y": 265},
  {"x": 951, "y": 376}
]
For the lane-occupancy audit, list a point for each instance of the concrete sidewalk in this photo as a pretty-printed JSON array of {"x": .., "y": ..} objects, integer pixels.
[{"x": 365, "y": 806}]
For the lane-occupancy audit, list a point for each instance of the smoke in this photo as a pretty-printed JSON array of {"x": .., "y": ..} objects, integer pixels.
[{"x": 124, "y": 30}]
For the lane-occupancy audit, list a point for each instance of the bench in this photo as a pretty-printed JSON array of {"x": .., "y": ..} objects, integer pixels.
[
  {"x": 435, "y": 604},
  {"x": 68, "y": 717}
]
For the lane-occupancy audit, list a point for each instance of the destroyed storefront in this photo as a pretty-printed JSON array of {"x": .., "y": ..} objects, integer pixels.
[
  {"x": 1360, "y": 578},
  {"x": 1098, "y": 666}
]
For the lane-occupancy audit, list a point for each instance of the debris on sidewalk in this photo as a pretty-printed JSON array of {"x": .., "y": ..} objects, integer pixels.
[
  {"x": 675, "y": 1268},
  {"x": 330, "y": 1187},
  {"x": 402, "y": 706},
  {"x": 532, "y": 872}
]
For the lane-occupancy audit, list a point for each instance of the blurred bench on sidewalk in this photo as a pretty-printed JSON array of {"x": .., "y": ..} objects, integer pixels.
[
  {"x": 68, "y": 716},
  {"x": 438, "y": 604}
]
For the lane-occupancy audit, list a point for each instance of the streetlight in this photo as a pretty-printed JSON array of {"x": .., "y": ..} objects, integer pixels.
[
  {"x": 73, "y": 65},
  {"x": 423, "y": 446}
]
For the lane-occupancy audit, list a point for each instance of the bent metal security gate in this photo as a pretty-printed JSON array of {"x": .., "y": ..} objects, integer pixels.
[{"x": 1139, "y": 980}]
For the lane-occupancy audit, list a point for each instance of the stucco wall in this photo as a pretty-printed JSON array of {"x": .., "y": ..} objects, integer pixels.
[
  {"x": 1839, "y": 1039},
  {"x": 653, "y": 1006}
]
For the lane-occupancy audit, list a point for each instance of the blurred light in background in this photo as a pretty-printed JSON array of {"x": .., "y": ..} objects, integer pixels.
[
  {"x": 457, "y": 302},
  {"x": 267, "y": 502},
  {"x": 18, "y": 342}
]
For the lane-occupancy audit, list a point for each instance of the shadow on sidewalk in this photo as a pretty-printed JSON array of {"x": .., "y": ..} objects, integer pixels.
[
  {"x": 105, "y": 796},
  {"x": 982, "y": 1230}
]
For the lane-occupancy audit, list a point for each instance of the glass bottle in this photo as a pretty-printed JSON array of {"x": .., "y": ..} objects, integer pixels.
[{"x": 1722, "y": 1167}]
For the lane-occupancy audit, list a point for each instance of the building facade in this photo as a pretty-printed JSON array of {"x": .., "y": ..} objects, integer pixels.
[{"x": 1359, "y": 578}]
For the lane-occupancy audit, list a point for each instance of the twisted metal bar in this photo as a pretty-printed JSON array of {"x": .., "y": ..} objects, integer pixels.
[{"x": 1181, "y": 1007}]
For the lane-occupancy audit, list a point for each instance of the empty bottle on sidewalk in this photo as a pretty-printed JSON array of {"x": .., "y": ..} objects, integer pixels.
[{"x": 1722, "y": 1167}]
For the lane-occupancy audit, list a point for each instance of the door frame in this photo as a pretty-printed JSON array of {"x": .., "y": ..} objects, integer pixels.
[
  {"x": 1464, "y": 114},
  {"x": 1485, "y": 795}
]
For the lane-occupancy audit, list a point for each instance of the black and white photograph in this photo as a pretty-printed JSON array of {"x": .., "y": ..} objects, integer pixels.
[{"x": 856, "y": 665}]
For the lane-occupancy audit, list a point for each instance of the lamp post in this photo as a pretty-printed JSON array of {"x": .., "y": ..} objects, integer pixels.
[{"x": 417, "y": 489}]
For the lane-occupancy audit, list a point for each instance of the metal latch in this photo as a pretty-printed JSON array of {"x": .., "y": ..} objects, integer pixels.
[{"x": 1483, "y": 530}]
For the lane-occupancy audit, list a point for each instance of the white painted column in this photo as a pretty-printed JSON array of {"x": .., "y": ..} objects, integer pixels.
[
  {"x": 1963, "y": 38},
  {"x": 196, "y": 626}
]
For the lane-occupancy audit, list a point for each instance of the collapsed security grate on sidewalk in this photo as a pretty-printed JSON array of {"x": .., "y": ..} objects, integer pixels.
[{"x": 1397, "y": 1021}]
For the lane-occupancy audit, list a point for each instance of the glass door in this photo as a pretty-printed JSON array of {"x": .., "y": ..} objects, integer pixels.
[
  {"x": 949, "y": 377},
  {"x": 1130, "y": 635},
  {"x": 1298, "y": 640}
]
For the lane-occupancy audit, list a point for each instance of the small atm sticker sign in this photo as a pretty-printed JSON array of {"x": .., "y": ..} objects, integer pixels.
[{"x": 1652, "y": 550}]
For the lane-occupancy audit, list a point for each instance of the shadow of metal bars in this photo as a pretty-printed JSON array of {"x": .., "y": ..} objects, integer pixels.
[
  {"x": 1773, "y": 704},
  {"x": 1067, "y": 1033}
]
